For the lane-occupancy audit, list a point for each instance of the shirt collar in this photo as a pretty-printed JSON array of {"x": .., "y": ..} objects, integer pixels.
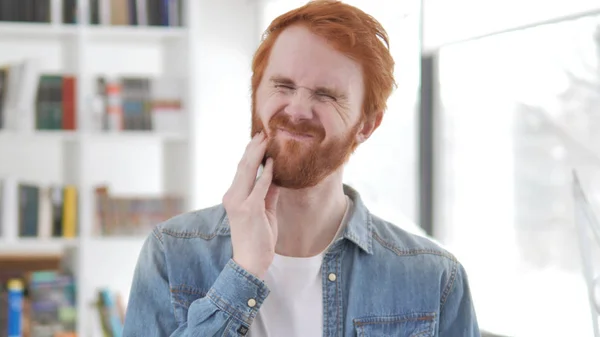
[{"x": 359, "y": 225}]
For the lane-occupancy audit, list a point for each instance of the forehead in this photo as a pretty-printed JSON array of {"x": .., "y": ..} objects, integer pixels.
[{"x": 310, "y": 61}]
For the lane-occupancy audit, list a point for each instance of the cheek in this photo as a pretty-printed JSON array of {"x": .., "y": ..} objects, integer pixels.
[
  {"x": 330, "y": 119},
  {"x": 268, "y": 104}
]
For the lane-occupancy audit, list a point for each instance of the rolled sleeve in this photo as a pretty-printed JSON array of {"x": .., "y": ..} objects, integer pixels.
[{"x": 238, "y": 292}]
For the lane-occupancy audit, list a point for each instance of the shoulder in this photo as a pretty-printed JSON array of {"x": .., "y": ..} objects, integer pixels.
[
  {"x": 417, "y": 255},
  {"x": 400, "y": 242},
  {"x": 204, "y": 223}
]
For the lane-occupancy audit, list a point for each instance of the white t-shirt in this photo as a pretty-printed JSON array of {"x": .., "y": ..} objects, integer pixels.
[{"x": 294, "y": 306}]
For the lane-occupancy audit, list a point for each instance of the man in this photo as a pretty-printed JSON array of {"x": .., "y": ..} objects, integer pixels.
[{"x": 295, "y": 252}]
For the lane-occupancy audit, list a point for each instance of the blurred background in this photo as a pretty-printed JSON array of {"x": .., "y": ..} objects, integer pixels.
[{"x": 118, "y": 114}]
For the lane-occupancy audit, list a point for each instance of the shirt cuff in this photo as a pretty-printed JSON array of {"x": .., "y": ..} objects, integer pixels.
[{"x": 238, "y": 292}]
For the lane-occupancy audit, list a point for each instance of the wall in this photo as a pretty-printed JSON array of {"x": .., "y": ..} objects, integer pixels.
[{"x": 224, "y": 38}]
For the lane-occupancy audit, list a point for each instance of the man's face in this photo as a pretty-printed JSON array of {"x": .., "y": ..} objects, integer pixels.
[{"x": 310, "y": 97}]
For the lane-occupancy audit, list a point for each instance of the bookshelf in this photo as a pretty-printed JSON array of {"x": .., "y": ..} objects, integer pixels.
[{"x": 137, "y": 157}]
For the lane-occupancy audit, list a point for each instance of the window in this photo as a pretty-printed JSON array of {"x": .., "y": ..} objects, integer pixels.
[{"x": 518, "y": 112}]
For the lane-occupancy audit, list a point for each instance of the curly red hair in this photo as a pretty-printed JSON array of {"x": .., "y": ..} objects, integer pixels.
[{"x": 349, "y": 30}]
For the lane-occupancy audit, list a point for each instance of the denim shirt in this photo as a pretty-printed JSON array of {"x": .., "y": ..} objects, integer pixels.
[{"x": 378, "y": 280}]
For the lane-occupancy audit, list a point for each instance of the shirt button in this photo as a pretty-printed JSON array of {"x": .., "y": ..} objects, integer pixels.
[
  {"x": 251, "y": 303},
  {"x": 332, "y": 277}
]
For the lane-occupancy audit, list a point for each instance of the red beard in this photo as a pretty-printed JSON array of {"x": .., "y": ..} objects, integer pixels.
[{"x": 301, "y": 164}]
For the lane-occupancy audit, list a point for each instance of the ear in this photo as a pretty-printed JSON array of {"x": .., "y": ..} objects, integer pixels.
[{"x": 368, "y": 126}]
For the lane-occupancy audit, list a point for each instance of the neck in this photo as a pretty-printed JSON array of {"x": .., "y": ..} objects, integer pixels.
[{"x": 308, "y": 219}]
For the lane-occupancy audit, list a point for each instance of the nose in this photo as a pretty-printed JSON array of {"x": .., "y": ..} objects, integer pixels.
[{"x": 300, "y": 106}]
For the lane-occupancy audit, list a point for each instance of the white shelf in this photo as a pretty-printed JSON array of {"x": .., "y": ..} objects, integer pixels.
[
  {"x": 36, "y": 30},
  {"x": 56, "y": 246},
  {"x": 41, "y": 135},
  {"x": 135, "y": 33},
  {"x": 62, "y": 135},
  {"x": 94, "y": 32},
  {"x": 135, "y": 135},
  {"x": 35, "y": 246},
  {"x": 132, "y": 239}
]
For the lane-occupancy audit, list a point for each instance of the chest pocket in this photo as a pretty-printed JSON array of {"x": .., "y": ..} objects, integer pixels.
[{"x": 408, "y": 325}]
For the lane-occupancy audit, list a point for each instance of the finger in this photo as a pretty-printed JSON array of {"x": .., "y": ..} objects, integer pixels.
[
  {"x": 248, "y": 167},
  {"x": 271, "y": 199},
  {"x": 271, "y": 207},
  {"x": 262, "y": 185}
]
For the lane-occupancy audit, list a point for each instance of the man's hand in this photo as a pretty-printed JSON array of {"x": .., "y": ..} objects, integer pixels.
[{"x": 251, "y": 209}]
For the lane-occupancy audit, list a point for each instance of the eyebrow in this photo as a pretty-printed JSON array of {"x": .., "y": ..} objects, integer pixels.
[
  {"x": 281, "y": 80},
  {"x": 278, "y": 79}
]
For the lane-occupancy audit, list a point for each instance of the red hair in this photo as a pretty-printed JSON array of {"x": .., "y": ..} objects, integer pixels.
[{"x": 350, "y": 31}]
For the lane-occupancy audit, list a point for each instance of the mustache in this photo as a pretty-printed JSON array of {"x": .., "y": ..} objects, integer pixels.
[{"x": 282, "y": 121}]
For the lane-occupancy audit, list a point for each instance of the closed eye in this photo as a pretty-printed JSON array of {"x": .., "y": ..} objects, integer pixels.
[
  {"x": 283, "y": 86},
  {"x": 326, "y": 96}
]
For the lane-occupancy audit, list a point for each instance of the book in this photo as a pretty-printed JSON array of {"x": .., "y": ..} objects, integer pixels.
[
  {"x": 131, "y": 216},
  {"x": 32, "y": 210},
  {"x": 139, "y": 103},
  {"x": 25, "y": 10}
]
